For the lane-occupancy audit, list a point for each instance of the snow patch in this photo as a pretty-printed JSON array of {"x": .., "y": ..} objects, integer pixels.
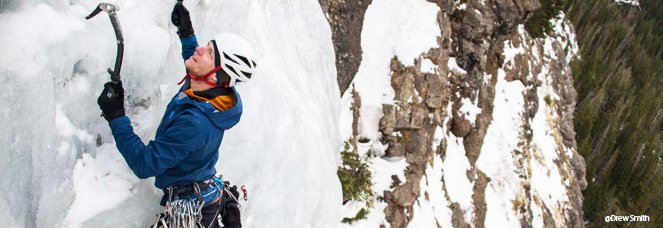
[
  {"x": 461, "y": 6},
  {"x": 455, "y": 167},
  {"x": 469, "y": 109},
  {"x": 629, "y": 2},
  {"x": 453, "y": 66},
  {"x": 432, "y": 207},
  {"x": 404, "y": 29},
  {"x": 565, "y": 37},
  {"x": 510, "y": 51},
  {"x": 382, "y": 169},
  {"x": 546, "y": 182},
  {"x": 427, "y": 66},
  {"x": 438, "y": 137},
  {"x": 497, "y": 159}
]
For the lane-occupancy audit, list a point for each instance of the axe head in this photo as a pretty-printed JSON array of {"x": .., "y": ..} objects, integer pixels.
[{"x": 106, "y": 7}]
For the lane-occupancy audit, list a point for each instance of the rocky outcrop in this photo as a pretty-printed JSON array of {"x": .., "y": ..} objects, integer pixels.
[
  {"x": 469, "y": 60},
  {"x": 408, "y": 127},
  {"x": 473, "y": 36},
  {"x": 549, "y": 59},
  {"x": 346, "y": 19}
]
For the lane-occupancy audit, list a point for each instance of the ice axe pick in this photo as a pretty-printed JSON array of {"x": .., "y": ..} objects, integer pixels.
[{"x": 111, "y": 10}]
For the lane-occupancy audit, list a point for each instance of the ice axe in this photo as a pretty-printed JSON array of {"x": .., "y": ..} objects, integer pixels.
[{"x": 111, "y": 9}]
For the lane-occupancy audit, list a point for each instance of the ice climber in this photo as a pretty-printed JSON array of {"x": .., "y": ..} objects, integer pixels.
[{"x": 184, "y": 151}]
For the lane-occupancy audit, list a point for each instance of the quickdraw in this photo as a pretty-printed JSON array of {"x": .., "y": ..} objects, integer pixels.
[{"x": 181, "y": 213}]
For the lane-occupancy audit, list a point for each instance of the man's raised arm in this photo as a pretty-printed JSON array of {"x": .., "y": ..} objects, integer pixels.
[{"x": 180, "y": 18}]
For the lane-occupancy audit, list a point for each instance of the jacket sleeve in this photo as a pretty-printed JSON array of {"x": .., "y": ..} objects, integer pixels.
[
  {"x": 160, "y": 154},
  {"x": 189, "y": 45}
]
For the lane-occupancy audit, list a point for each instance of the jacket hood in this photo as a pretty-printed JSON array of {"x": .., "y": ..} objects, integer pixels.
[{"x": 220, "y": 119}]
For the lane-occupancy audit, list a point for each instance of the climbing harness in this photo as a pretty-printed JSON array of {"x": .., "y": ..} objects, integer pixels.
[{"x": 187, "y": 212}]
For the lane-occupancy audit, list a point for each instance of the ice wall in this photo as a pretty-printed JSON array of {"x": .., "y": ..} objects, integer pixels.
[{"x": 58, "y": 164}]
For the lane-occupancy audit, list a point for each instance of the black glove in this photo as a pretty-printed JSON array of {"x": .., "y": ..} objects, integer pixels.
[
  {"x": 232, "y": 189},
  {"x": 230, "y": 216},
  {"x": 111, "y": 101},
  {"x": 180, "y": 18}
]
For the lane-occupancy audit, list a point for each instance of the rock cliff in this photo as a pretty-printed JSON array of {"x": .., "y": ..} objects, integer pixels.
[{"x": 482, "y": 124}]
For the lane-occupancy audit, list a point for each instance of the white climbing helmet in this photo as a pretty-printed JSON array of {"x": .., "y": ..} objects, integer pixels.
[{"x": 236, "y": 57}]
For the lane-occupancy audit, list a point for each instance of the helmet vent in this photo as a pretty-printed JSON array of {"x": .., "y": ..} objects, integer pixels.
[
  {"x": 231, "y": 69},
  {"x": 247, "y": 75},
  {"x": 228, "y": 58},
  {"x": 246, "y": 61}
]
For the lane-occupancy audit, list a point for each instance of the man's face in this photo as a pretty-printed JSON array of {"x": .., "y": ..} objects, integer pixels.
[{"x": 202, "y": 60}]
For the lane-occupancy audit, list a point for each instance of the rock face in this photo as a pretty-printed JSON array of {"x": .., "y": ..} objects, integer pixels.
[
  {"x": 487, "y": 68},
  {"x": 346, "y": 19}
]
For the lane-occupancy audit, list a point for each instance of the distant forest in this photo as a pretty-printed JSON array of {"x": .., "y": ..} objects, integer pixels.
[{"x": 619, "y": 114}]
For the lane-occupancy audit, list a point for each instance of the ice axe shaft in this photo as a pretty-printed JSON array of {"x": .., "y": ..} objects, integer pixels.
[{"x": 111, "y": 9}]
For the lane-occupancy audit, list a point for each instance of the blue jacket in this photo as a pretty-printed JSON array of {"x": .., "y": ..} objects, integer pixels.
[{"x": 185, "y": 148}]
